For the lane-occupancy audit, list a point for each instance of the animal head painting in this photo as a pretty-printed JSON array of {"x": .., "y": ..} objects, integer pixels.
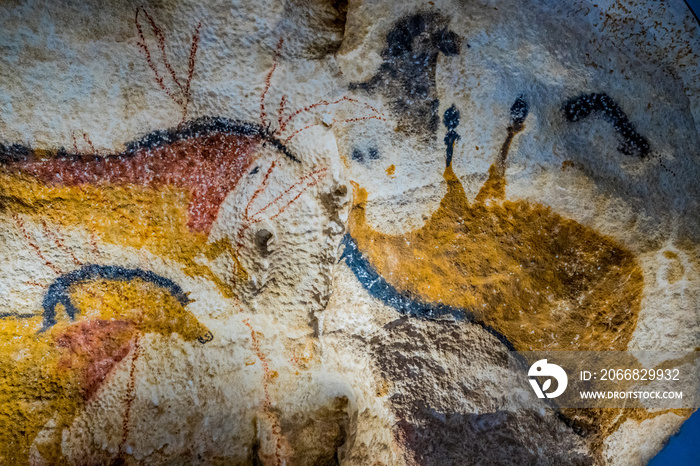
[
  {"x": 308, "y": 232},
  {"x": 123, "y": 241},
  {"x": 498, "y": 246}
]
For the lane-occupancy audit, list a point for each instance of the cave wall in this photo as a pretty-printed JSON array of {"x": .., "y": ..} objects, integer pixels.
[{"x": 310, "y": 232}]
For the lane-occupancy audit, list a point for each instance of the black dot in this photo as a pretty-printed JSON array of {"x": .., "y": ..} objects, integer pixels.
[{"x": 358, "y": 155}]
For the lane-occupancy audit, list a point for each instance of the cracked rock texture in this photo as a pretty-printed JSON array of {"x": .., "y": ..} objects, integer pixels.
[{"x": 310, "y": 232}]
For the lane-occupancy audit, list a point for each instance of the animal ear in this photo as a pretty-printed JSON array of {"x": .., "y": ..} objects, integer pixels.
[{"x": 359, "y": 194}]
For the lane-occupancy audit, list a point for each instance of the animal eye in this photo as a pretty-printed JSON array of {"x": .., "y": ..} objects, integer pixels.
[{"x": 255, "y": 170}]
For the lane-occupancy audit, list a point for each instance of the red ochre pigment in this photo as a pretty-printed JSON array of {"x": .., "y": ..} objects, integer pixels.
[
  {"x": 206, "y": 158},
  {"x": 93, "y": 348}
]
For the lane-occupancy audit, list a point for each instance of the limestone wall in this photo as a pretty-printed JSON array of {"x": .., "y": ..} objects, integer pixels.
[{"x": 309, "y": 232}]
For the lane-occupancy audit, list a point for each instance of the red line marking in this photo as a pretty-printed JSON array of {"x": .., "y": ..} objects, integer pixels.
[
  {"x": 255, "y": 344},
  {"x": 302, "y": 180},
  {"x": 191, "y": 64},
  {"x": 75, "y": 142},
  {"x": 37, "y": 250},
  {"x": 326, "y": 103},
  {"x": 93, "y": 244},
  {"x": 276, "y": 428},
  {"x": 87, "y": 139},
  {"x": 130, "y": 395},
  {"x": 160, "y": 37},
  {"x": 280, "y": 112},
  {"x": 268, "y": 80},
  {"x": 246, "y": 217},
  {"x": 260, "y": 189},
  {"x": 295, "y": 133},
  {"x": 59, "y": 242},
  {"x": 251, "y": 220},
  {"x": 35, "y": 284},
  {"x": 281, "y": 211},
  {"x": 350, "y": 120},
  {"x": 185, "y": 91},
  {"x": 147, "y": 52},
  {"x": 277, "y": 433},
  {"x": 242, "y": 231},
  {"x": 300, "y": 130}
]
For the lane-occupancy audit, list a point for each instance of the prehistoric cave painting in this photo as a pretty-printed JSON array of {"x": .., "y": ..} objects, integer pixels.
[
  {"x": 51, "y": 372},
  {"x": 160, "y": 195},
  {"x": 359, "y": 155},
  {"x": 584, "y": 105},
  {"x": 531, "y": 278},
  {"x": 207, "y": 157},
  {"x": 534, "y": 279},
  {"x": 60, "y": 290},
  {"x": 180, "y": 89},
  {"x": 406, "y": 79}
]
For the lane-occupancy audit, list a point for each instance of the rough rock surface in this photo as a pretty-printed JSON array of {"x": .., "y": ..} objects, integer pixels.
[{"x": 310, "y": 232}]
